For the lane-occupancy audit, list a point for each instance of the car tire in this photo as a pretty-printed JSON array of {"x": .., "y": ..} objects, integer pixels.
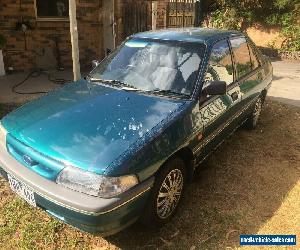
[
  {"x": 252, "y": 121},
  {"x": 163, "y": 203}
]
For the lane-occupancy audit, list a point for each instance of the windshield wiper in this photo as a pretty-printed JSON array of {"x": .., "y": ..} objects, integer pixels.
[
  {"x": 116, "y": 83},
  {"x": 167, "y": 93},
  {"x": 128, "y": 87}
]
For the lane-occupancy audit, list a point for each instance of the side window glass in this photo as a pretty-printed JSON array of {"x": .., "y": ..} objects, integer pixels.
[
  {"x": 220, "y": 64},
  {"x": 254, "y": 61},
  {"x": 241, "y": 56}
]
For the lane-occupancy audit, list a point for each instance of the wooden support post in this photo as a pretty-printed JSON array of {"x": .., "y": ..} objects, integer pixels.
[
  {"x": 154, "y": 15},
  {"x": 74, "y": 40}
]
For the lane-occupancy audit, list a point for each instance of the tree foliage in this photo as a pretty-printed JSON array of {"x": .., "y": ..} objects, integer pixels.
[{"x": 238, "y": 14}]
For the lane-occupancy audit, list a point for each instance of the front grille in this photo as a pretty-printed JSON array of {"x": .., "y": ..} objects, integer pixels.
[{"x": 32, "y": 159}]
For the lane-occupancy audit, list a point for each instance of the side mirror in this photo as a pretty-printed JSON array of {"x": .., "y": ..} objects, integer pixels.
[
  {"x": 95, "y": 63},
  {"x": 216, "y": 88}
]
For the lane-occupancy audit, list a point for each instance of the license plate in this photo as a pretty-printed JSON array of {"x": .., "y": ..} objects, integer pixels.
[{"x": 22, "y": 190}]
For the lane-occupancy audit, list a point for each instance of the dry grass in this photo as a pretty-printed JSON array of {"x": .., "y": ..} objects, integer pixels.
[{"x": 250, "y": 185}]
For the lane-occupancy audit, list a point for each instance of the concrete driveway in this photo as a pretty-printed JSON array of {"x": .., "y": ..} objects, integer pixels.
[
  {"x": 286, "y": 82},
  {"x": 37, "y": 82}
]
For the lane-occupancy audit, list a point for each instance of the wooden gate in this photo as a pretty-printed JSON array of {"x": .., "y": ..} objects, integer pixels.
[
  {"x": 180, "y": 13},
  {"x": 137, "y": 16}
]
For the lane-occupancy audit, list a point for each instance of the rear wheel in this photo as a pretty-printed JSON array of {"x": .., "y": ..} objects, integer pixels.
[
  {"x": 166, "y": 194},
  {"x": 253, "y": 119}
]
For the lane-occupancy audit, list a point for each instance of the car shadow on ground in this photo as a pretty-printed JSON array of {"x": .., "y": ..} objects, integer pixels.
[{"x": 237, "y": 190}]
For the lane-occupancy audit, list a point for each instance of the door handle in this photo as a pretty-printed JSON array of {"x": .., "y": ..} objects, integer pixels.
[{"x": 235, "y": 96}]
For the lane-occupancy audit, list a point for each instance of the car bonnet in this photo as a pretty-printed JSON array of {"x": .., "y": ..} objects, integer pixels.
[{"x": 86, "y": 125}]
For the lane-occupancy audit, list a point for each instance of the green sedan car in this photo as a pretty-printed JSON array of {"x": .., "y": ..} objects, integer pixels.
[{"x": 122, "y": 143}]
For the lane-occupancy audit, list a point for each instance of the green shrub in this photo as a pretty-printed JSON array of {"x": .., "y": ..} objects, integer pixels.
[{"x": 238, "y": 14}]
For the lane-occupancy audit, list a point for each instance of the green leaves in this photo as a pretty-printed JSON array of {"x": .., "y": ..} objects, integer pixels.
[{"x": 236, "y": 14}]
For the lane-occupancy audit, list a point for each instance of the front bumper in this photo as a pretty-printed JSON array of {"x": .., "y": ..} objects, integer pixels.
[{"x": 88, "y": 213}]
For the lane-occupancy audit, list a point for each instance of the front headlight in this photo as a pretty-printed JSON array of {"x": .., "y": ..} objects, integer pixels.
[
  {"x": 3, "y": 134},
  {"x": 94, "y": 184}
]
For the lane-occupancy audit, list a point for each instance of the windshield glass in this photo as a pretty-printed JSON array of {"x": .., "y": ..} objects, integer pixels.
[{"x": 149, "y": 65}]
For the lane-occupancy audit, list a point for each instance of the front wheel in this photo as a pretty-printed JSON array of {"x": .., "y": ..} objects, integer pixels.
[
  {"x": 166, "y": 194},
  {"x": 253, "y": 119}
]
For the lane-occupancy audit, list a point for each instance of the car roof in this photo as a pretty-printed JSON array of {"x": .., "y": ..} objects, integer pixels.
[{"x": 201, "y": 35}]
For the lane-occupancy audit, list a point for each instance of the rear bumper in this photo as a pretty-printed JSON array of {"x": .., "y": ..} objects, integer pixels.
[{"x": 88, "y": 213}]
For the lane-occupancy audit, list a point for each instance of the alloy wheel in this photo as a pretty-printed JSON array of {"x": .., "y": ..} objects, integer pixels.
[{"x": 169, "y": 194}]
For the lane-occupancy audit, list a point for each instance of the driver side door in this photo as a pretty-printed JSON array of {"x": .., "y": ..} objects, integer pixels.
[{"x": 217, "y": 112}]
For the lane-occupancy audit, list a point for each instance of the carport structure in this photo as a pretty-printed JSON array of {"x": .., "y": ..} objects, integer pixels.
[
  {"x": 39, "y": 38},
  {"x": 38, "y": 31}
]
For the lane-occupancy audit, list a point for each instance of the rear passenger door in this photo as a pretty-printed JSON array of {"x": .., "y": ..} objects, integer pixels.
[{"x": 248, "y": 73}]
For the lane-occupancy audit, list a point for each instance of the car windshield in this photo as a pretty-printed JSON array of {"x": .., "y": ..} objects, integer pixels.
[{"x": 152, "y": 66}]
